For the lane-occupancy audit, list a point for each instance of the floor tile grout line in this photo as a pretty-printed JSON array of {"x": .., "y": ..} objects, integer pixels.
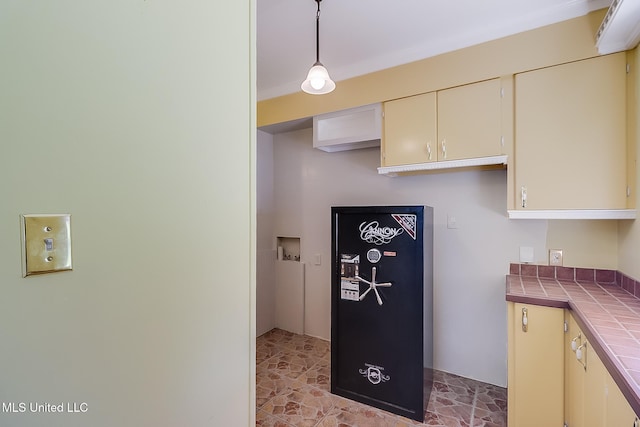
[{"x": 473, "y": 405}]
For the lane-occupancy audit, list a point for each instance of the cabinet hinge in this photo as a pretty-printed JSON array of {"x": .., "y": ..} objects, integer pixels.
[
  {"x": 502, "y": 141},
  {"x": 628, "y": 68},
  {"x": 566, "y": 327},
  {"x": 501, "y": 92},
  {"x": 628, "y": 191}
]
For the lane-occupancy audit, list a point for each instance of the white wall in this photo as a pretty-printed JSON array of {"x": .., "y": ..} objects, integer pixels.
[
  {"x": 470, "y": 263},
  {"x": 121, "y": 114},
  {"x": 265, "y": 253}
]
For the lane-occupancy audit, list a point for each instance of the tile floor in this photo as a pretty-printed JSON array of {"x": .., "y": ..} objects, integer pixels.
[{"x": 293, "y": 390}]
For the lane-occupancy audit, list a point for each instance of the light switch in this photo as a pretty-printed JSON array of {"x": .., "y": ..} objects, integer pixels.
[{"x": 46, "y": 243}]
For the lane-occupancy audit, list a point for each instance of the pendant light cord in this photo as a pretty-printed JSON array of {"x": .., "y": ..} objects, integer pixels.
[{"x": 318, "y": 33}]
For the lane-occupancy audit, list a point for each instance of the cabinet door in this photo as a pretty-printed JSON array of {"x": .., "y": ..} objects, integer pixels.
[
  {"x": 594, "y": 389},
  {"x": 585, "y": 385},
  {"x": 574, "y": 386},
  {"x": 410, "y": 130},
  {"x": 618, "y": 410},
  {"x": 469, "y": 121},
  {"x": 570, "y": 143},
  {"x": 536, "y": 366}
]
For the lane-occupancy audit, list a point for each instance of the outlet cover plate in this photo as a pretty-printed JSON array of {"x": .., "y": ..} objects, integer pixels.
[{"x": 555, "y": 257}]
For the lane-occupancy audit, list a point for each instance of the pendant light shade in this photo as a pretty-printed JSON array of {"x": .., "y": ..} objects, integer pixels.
[{"x": 318, "y": 81}]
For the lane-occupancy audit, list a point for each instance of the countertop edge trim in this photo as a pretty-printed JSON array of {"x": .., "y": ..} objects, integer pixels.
[{"x": 541, "y": 301}]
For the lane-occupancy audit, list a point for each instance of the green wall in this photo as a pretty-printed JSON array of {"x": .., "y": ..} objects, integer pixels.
[{"x": 136, "y": 117}]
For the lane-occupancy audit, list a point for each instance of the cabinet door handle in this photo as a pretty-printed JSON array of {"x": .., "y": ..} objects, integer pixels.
[
  {"x": 429, "y": 149},
  {"x": 523, "y": 196},
  {"x": 574, "y": 342},
  {"x": 581, "y": 355},
  {"x": 525, "y": 320},
  {"x": 444, "y": 148}
]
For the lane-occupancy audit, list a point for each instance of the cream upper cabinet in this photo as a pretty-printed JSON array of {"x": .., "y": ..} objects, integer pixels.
[
  {"x": 469, "y": 121},
  {"x": 409, "y": 129},
  {"x": 570, "y": 136},
  {"x": 458, "y": 123},
  {"x": 535, "y": 366}
]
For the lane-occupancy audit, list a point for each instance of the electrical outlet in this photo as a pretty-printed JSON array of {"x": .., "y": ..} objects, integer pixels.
[
  {"x": 555, "y": 257},
  {"x": 526, "y": 254}
]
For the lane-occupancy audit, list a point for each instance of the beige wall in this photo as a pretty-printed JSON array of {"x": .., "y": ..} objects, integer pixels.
[
  {"x": 586, "y": 243},
  {"x": 554, "y": 44},
  {"x": 119, "y": 113}
]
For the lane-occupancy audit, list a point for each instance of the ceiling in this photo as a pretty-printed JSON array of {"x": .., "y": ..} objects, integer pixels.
[{"x": 361, "y": 36}]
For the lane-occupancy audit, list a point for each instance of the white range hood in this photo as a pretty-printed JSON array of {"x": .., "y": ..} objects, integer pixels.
[{"x": 620, "y": 28}]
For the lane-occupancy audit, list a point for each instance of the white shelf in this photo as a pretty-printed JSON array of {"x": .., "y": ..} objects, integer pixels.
[
  {"x": 573, "y": 214},
  {"x": 446, "y": 164}
]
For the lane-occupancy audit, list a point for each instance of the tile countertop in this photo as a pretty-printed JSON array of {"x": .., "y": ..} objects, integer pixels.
[{"x": 604, "y": 306}]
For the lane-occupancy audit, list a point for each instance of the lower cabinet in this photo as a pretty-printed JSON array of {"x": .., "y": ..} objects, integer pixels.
[
  {"x": 535, "y": 366},
  {"x": 555, "y": 378}
]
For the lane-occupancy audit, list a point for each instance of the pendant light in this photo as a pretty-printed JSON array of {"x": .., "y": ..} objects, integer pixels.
[{"x": 318, "y": 81}]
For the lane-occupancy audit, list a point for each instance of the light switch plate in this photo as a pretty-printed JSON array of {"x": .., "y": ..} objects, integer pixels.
[{"x": 46, "y": 243}]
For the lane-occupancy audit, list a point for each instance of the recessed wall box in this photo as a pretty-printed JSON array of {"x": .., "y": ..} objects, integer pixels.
[
  {"x": 359, "y": 127},
  {"x": 46, "y": 243}
]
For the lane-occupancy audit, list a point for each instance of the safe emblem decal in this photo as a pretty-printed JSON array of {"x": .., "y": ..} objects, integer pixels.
[
  {"x": 374, "y": 374},
  {"x": 407, "y": 222}
]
